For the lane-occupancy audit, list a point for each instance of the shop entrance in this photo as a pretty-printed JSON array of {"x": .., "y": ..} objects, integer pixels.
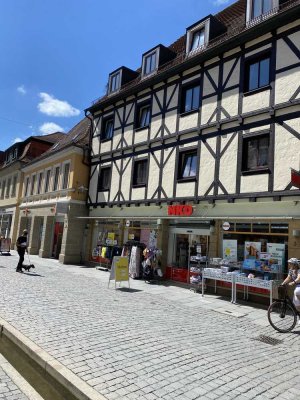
[
  {"x": 57, "y": 239},
  {"x": 187, "y": 249}
]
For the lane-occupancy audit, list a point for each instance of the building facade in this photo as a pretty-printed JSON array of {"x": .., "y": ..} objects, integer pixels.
[
  {"x": 11, "y": 179},
  {"x": 195, "y": 148},
  {"x": 54, "y": 196}
]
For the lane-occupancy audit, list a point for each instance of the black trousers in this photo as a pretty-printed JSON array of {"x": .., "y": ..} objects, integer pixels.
[{"x": 21, "y": 259}]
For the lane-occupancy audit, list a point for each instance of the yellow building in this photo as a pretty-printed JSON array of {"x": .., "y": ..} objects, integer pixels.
[{"x": 54, "y": 195}]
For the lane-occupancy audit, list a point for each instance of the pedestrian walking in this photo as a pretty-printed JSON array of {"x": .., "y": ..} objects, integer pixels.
[
  {"x": 21, "y": 248},
  {"x": 293, "y": 279}
]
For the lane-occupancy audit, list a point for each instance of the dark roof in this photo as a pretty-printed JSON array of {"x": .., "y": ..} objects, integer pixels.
[
  {"x": 78, "y": 136},
  {"x": 51, "y": 137},
  {"x": 233, "y": 19}
]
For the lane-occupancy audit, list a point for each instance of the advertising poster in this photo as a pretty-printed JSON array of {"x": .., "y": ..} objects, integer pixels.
[
  {"x": 252, "y": 250},
  {"x": 277, "y": 254},
  {"x": 230, "y": 250}
]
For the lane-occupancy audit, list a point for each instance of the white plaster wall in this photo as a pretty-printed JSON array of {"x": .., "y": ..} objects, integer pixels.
[
  {"x": 126, "y": 178},
  {"x": 174, "y": 99},
  {"x": 235, "y": 76},
  {"x": 208, "y": 107},
  {"x": 207, "y": 167},
  {"x": 170, "y": 120},
  {"x": 95, "y": 145},
  {"x": 114, "y": 187},
  {"x": 128, "y": 133},
  {"x": 116, "y": 138},
  {"x": 256, "y": 101},
  {"x": 285, "y": 56},
  {"x": 287, "y": 154},
  {"x": 155, "y": 125},
  {"x": 168, "y": 172},
  {"x": 228, "y": 164},
  {"x": 288, "y": 26},
  {"x": 130, "y": 113},
  {"x": 141, "y": 136},
  {"x": 190, "y": 71},
  {"x": 97, "y": 126},
  {"x": 262, "y": 48},
  {"x": 188, "y": 122},
  {"x": 230, "y": 102},
  {"x": 105, "y": 146},
  {"x": 94, "y": 183},
  {"x": 118, "y": 121},
  {"x": 103, "y": 196},
  {"x": 138, "y": 193},
  {"x": 155, "y": 105},
  {"x": 207, "y": 86},
  {"x": 258, "y": 40},
  {"x": 254, "y": 183},
  {"x": 153, "y": 178},
  {"x": 185, "y": 189},
  {"x": 286, "y": 84}
]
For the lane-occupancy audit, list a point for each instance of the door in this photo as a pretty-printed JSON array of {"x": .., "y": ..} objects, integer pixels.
[{"x": 57, "y": 239}]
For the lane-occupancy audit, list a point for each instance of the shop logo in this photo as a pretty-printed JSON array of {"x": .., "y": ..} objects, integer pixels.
[
  {"x": 184, "y": 211},
  {"x": 226, "y": 226}
]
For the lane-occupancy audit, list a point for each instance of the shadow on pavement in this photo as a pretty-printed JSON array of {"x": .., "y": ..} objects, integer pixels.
[
  {"x": 33, "y": 274},
  {"x": 129, "y": 290}
]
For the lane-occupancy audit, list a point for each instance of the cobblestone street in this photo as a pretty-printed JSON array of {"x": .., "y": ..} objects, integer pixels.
[{"x": 149, "y": 342}]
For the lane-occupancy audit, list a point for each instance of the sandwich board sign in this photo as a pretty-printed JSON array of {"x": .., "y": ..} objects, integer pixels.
[{"x": 119, "y": 270}]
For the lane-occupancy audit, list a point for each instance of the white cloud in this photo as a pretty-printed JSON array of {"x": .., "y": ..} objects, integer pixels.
[
  {"x": 17, "y": 140},
  {"x": 221, "y": 2},
  {"x": 56, "y": 108},
  {"x": 50, "y": 127},
  {"x": 21, "y": 89}
]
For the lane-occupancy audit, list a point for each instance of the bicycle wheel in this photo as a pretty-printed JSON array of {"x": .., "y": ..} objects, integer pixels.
[{"x": 282, "y": 316}]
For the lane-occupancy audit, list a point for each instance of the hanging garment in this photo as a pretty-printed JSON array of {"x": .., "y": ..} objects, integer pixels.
[{"x": 132, "y": 263}]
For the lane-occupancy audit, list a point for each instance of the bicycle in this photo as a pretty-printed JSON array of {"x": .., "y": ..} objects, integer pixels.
[{"x": 282, "y": 314}]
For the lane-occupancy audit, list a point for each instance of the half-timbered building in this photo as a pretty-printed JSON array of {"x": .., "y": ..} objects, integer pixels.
[{"x": 196, "y": 146}]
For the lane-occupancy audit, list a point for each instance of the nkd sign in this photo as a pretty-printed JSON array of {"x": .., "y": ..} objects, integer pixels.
[{"x": 180, "y": 210}]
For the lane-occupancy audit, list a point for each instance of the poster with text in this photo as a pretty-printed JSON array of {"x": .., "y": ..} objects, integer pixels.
[
  {"x": 277, "y": 253},
  {"x": 230, "y": 250}
]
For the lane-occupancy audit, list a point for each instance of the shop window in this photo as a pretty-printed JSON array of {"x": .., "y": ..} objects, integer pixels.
[
  {"x": 243, "y": 227},
  {"x": 187, "y": 168},
  {"x": 190, "y": 98},
  {"x": 143, "y": 115},
  {"x": 255, "y": 153},
  {"x": 260, "y": 227},
  {"x": 140, "y": 170},
  {"x": 107, "y": 128},
  {"x": 257, "y": 73},
  {"x": 279, "y": 228},
  {"x": 104, "y": 179}
]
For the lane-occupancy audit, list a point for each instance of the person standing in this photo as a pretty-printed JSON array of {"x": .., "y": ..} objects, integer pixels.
[{"x": 21, "y": 248}]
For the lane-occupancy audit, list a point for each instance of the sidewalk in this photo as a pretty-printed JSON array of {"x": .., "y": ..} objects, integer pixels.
[{"x": 147, "y": 342}]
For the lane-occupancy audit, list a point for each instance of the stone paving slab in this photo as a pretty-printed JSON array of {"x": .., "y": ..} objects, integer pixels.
[
  {"x": 150, "y": 342},
  {"x": 13, "y": 386}
]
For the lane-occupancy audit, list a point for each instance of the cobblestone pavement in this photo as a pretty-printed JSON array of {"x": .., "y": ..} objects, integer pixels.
[{"x": 150, "y": 342}]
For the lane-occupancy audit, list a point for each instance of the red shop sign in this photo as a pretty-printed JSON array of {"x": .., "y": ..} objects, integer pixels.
[{"x": 184, "y": 210}]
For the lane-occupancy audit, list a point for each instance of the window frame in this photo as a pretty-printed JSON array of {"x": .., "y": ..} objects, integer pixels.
[
  {"x": 101, "y": 187},
  {"x": 26, "y": 186},
  {"x": 183, "y": 154},
  {"x": 136, "y": 163},
  {"x": 245, "y": 140},
  {"x": 139, "y": 107},
  {"x": 185, "y": 87},
  {"x": 64, "y": 182},
  {"x": 105, "y": 120},
  {"x": 32, "y": 184},
  {"x": 112, "y": 76},
  {"x": 56, "y": 178},
  {"x": 144, "y": 62},
  {"x": 47, "y": 185},
  {"x": 39, "y": 185},
  {"x": 254, "y": 59},
  {"x": 205, "y": 25},
  {"x": 250, "y": 9}
]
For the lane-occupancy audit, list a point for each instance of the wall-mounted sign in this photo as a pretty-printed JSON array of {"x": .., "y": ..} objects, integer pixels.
[
  {"x": 128, "y": 223},
  {"x": 180, "y": 210},
  {"x": 226, "y": 226}
]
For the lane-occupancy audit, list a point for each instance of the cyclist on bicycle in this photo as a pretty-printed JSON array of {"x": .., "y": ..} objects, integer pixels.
[{"x": 293, "y": 279}]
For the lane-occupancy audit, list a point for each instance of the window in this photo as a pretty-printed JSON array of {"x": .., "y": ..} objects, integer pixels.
[
  {"x": 39, "y": 184},
  {"x": 255, "y": 153},
  {"x": 104, "y": 179},
  {"x": 257, "y": 73},
  {"x": 190, "y": 98},
  {"x": 149, "y": 64},
  {"x": 65, "y": 182},
  {"x": 47, "y": 181},
  {"x": 8, "y": 187},
  {"x": 198, "y": 39},
  {"x": 32, "y": 190},
  {"x": 3, "y": 189},
  {"x": 56, "y": 178},
  {"x": 114, "y": 82},
  {"x": 143, "y": 115},
  {"x": 140, "y": 173},
  {"x": 187, "y": 165},
  {"x": 107, "y": 129},
  {"x": 26, "y": 189},
  {"x": 260, "y": 7},
  {"x": 14, "y": 186}
]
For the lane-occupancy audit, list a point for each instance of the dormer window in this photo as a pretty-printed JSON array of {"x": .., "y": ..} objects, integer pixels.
[
  {"x": 260, "y": 9},
  {"x": 150, "y": 63},
  {"x": 198, "y": 39},
  {"x": 114, "y": 82}
]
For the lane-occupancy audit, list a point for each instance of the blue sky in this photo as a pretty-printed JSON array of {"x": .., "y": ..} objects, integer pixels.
[{"x": 55, "y": 55}]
